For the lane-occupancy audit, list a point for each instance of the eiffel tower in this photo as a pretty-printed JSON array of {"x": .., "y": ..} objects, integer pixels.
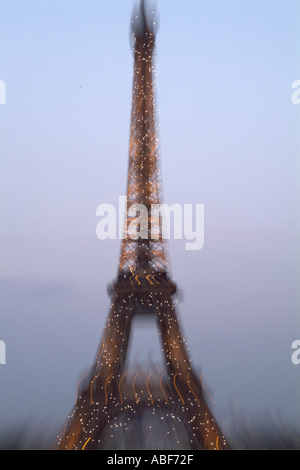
[{"x": 111, "y": 403}]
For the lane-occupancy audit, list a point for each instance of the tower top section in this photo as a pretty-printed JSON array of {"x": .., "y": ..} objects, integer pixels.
[
  {"x": 141, "y": 251},
  {"x": 144, "y": 23}
]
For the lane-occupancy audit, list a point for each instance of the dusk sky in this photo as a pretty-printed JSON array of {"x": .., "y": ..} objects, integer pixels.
[{"x": 229, "y": 139}]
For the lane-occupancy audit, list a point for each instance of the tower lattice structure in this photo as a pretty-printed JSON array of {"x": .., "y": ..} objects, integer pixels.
[{"x": 142, "y": 287}]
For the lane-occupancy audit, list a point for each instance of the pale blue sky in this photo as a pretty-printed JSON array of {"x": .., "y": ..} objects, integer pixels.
[{"x": 229, "y": 140}]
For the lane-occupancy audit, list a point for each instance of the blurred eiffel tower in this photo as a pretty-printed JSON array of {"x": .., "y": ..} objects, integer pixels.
[{"x": 111, "y": 406}]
